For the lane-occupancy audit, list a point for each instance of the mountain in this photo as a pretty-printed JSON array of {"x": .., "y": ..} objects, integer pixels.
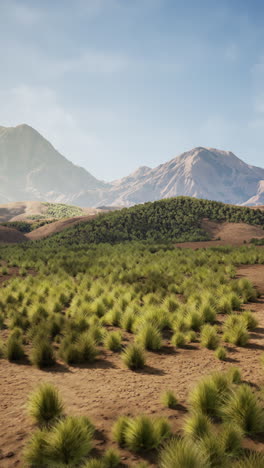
[{"x": 31, "y": 169}]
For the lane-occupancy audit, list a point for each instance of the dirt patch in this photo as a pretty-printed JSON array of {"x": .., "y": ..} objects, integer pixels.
[
  {"x": 107, "y": 389},
  {"x": 11, "y": 236},
  {"x": 57, "y": 226}
]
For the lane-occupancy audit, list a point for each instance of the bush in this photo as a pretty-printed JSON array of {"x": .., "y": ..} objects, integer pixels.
[
  {"x": 113, "y": 341},
  {"x": 169, "y": 399},
  {"x": 197, "y": 425},
  {"x": 143, "y": 433},
  {"x": 133, "y": 357},
  {"x": 209, "y": 395},
  {"x": 238, "y": 335},
  {"x": 149, "y": 337},
  {"x": 14, "y": 349},
  {"x": 42, "y": 354},
  {"x": 221, "y": 353},
  {"x": 45, "y": 404},
  {"x": 69, "y": 442},
  {"x": 211, "y": 447},
  {"x": 180, "y": 453},
  {"x": 86, "y": 348},
  {"x": 209, "y": 337},
  {"x": 244, "y": 410}
]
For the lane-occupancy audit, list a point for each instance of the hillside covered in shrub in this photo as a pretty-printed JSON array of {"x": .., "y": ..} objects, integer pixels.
[{"x": 174, "y": 219}]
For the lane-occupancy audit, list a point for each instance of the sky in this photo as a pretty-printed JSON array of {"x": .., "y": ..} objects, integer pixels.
[{"x": 118, "y": 84}]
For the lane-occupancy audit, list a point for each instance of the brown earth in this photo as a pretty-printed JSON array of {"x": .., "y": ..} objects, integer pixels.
[
  {"x": 58, "y": 226},
  {"x": 107, "y": 389},
  {"x": 11, "y": 236}
]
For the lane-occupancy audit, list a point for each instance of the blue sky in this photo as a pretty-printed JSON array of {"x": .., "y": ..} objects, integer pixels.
[{"x": 117, "y": 84}]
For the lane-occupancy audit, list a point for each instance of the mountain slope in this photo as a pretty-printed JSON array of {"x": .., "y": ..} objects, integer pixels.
[
  {"x": 202, "y": 173},
  {"x": 31, "y": 169}
]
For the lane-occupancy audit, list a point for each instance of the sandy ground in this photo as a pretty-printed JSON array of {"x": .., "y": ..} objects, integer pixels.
[{"x": 106, "y": 390}]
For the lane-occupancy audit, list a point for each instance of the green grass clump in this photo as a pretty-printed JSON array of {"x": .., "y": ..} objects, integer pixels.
[
  {"x": 119, "y": 430},
  {"x": 94, "y": 463},
  {"x": 45, "y": 404},
  {"x": 243, "y": 409},
  {"x": 69, "y": 442},
  {"x": 212, "y": 449},
  {"x": 133, "y": 357},
  {"x": 178, "y": 340},
  {"x": 149, "y": 337},
  {"x": 238, "y": 335},
  {"x": 231, "y": 439},
  {"x": 14, "y": 349},
  {"x": 42, "y": 354},
  {"x": 36, "y": 449},
  {"x": 111, "y": 459},
  {"x": 210, "y": 394},
  {"x": 197, "y": 425},
  {"x": 169, "y": 399},
  {"x": 250, "y": 321},
  {"x": 234, "y": 375},
  {"x": 254, "y": 460},
  {"x": 221, "y": 353},
  {"x": 145, "y": 433},
  {"x": 209, "y": 337},
  {"x": 113, "y": 341},
  {"x": 181, "y": 453}
]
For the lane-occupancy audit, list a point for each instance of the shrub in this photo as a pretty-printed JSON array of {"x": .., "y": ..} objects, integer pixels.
[
  {"x": 180, "y": 453},
  {"x": 190, "y": 336},
  {"x": 86, "y": 348},
  {"x": 211, "y": 447},
  {"x": 208, "y": 313},
  {"x": 244, "y": 410},
  {"x": 69, "y": 442},
  {"x": 42, "y": 354},
  {"x": 127, "y": 321},
  {"x": 14, "y": 349},
  {"x": 149, "y": 337},
  {"x": 197, "y": 425},
  {"x": 194, "y": 320},
  {"x": 119, "y": 430},
  {"x": 112, "y": 341},
  {"x": 221, "y": 353},
  {"x": 45, "y": 404},
  {"x": 209, "y": 337},
  {"x": 209, "y": 395},
  {"x": 224, "y": 305},
  {"x": 133, "y": 357},
  {"x": 178, "y": 340},
  {"x": 169, "y": 399}
]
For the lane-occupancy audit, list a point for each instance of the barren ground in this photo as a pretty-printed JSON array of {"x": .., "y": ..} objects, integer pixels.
[{"x": 106, "y": 389}]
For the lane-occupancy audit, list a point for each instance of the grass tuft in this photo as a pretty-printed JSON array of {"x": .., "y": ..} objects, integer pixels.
[{"x": 45, "y": 404}]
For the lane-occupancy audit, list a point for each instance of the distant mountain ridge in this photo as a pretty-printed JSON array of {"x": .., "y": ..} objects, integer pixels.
[{"x": 31, "y": 169}]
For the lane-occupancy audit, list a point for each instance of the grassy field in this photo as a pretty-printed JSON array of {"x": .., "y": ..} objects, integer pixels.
[{"x": 71, "y": 310}]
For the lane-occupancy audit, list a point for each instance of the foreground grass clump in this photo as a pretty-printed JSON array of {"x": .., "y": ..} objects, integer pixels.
[
  {"x": 169, "y": 399},
  {"x": 66, "y": 444},
  {"x": 180, "y": 453},
  {"x": 197, "y": 425},
  {"x": 244, "y": 409},
  {"x": 209, "y": 337},
  {"x": 210, "y": 394},
  {"x": 141, "y": 433},
  {"x": 42, "y": 354},
  {"x": 149, "y": 337},
  {"x": 221, "y": 353},
  {"x": 14, "y": 349},
  {"x": 113, "y": 341},
  {"x": 254, "y": 460},
  {"x": 45, "y": 404},
  {"x": 133, "y": 357}
]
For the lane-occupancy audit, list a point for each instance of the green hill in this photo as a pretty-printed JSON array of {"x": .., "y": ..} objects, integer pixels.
[{"x": 175, "y": 219}]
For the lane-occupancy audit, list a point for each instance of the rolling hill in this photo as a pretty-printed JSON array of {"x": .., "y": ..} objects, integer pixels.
[{"x": 31, "y": 169}]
